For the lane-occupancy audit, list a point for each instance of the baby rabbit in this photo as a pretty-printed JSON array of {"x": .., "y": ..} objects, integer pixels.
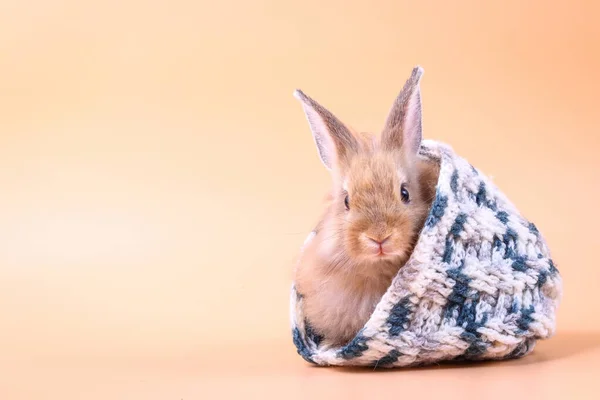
[{"x": 378, "y": 203}]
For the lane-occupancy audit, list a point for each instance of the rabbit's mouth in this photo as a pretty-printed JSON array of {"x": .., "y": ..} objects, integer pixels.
[
  {"x": 382, "y": 253},
  {"x": 381, "y": 247}
]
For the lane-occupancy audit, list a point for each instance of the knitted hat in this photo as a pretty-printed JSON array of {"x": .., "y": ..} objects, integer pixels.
[{"x": 479, "y": 285}]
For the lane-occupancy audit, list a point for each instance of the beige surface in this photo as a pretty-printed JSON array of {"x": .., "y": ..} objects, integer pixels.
[
  {"x": 566, "y": 368},
  {"x": 158, "y": 178}
]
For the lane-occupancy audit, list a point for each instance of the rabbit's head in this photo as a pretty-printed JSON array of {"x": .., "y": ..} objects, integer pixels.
[{"x": 379, "y": 199}]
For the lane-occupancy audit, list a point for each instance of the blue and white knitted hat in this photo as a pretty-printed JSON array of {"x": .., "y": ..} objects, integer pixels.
[{"x": 480, "y": 284}]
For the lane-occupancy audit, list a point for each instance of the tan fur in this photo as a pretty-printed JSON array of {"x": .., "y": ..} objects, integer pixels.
[
  {"x": 340, "y": 279},
  {"x": 354, "y": 255}
]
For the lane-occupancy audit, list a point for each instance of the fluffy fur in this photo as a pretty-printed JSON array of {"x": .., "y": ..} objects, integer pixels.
[{"x": 368, "y": 230}]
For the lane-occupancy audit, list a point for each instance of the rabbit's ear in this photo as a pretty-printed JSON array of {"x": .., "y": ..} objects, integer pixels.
[
  {"x": 334, "y": 140},
  {"x": 403, "y": 125}
]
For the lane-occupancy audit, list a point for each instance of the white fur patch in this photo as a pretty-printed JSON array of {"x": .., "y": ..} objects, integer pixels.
[{"x": 309, "y": 238}]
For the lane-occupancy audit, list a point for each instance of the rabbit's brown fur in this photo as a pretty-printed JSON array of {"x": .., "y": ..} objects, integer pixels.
[{"x": 357, "y": 250}]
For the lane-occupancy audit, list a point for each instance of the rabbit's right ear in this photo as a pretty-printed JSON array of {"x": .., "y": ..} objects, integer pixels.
[
  {"x": 334, "y": 140},
  {"x": 403, "y": 125}
]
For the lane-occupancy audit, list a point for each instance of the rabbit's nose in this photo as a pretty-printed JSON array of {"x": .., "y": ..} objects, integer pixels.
[{"x": 378, "y": 240}]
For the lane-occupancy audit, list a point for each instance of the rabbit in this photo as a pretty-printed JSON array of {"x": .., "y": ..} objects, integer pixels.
[{"x": 377, "y": 205}]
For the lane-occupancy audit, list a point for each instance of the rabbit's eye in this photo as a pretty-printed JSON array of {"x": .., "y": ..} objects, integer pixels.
[
  {"x": 404, "y": 193},
  {"x": 347, "y": 202}
]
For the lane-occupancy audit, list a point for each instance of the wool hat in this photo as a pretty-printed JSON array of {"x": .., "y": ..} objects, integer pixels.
[{"x": 479, "y": 285}]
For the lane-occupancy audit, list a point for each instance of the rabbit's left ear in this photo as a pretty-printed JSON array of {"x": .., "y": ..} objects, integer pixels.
[{"x": 403, "y": 125}]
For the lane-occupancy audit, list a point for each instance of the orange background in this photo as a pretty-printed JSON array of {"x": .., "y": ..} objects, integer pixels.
[{"x": 158, "y": 177}]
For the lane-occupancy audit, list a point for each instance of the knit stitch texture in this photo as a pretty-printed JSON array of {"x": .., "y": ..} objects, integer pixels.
[{"x": 479, "y": 285}]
